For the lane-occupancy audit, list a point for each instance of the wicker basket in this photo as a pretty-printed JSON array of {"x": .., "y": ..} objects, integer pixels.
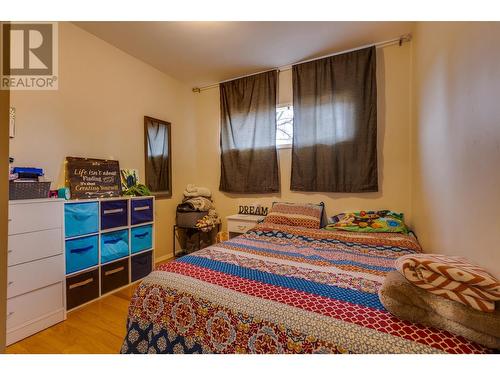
[{"x": 28, "y": 190}]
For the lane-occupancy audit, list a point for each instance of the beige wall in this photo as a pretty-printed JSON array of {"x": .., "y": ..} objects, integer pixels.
[
  {"x": 98, "y": 112},
  {"x": 393, "y": 77},
  {"x": 4, "y": 154},
  {"x": 456, "y": 153}
]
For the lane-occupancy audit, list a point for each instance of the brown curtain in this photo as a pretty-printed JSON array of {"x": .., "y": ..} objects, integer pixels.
[
  {"x": 335, "y": 124},
  {"x": 249, "y": 162}
]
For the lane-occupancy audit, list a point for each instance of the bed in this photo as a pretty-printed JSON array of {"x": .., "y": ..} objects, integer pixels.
[{"x": 281, "y": 289}]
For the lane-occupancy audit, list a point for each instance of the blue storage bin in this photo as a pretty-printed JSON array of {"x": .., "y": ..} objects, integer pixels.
[
  {"x": 114, "y": 214},
  {"x": 142, "y": 265},
  {"x": 81, "y": 253},
  {"x": 142, "y": 210},
  {"x": 114, "y": 245},
  {"x": 141, "y": 238},
  {"x": 81, "y": 218}
]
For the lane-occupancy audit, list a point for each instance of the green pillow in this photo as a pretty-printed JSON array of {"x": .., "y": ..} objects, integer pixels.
[{"x": 368, "y": 221}]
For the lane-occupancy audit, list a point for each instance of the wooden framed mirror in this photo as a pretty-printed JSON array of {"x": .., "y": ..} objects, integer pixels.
[{"x": 158, "y": 157}]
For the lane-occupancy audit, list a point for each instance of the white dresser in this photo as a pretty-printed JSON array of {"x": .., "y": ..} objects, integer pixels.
[
  {"x": 36, "y": 267},
  {"x": 240, "y": 223}
]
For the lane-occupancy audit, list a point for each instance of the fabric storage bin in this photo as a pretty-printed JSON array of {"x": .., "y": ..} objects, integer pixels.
[
  {"x": 142, "y": 265},
  {"x": 81, "y": 253},
  {"x": 189, "y": 219},
  {"x": 114, "y": 275},
  {"x": 114, "y": 214},
  {"x": 114, "y": 245},
  {"x": 81, "y": 218},
  {"x": 141, "y": 238},
  {"x": 141, "y": 210},
  {"x": 82, "y": 288}
]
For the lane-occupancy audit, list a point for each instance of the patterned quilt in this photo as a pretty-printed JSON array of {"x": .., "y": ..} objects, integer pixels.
[{"x": 281, "y": 289}]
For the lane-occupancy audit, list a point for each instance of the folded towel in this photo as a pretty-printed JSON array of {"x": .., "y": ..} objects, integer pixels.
[
  {"x": 454, "y": 278},
  {"x": 199, "y": 203},
  {"x": 408, "y": 302},
  {"x": 197, "y": 191}
]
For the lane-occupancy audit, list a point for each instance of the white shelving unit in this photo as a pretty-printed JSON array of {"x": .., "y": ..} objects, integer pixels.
[{"x": 82, "y": 281}]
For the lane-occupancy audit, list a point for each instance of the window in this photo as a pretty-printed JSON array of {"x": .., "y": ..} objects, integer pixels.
[{"x": 284, "y": 122}]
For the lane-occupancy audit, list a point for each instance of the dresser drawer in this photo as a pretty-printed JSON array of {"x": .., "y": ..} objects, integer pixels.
[
  {"x": 26, "y": 247},
  {"x": 82, "y": 253},
  {"x": 240, "y": 226},
  {"x": 29, "y": 217},
  {"x": 114, "y": 214},
  {"x": 26, "y": 277},
  {"x": 141, "y": 210},
  {"x": 142, "y": 265},
  {"x": 141, "y": 238},
  {"x": 82, "y": 288},
  {"x": 114, "y": 245},
  {"x": 114, "y": 275},
  {"x": 81, "y": 218},
  {"x": 33, "y": 305}
]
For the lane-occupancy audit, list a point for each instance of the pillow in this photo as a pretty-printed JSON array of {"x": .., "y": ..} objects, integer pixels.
[
  {"x": 369, "y": 221},
  {"x": 295, "y": 214}
]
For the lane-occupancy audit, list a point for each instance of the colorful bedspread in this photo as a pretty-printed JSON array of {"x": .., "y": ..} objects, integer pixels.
[{"x": 281, "y": 289}]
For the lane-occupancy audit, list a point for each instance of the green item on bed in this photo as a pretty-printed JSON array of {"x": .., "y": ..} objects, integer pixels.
[{"x": 369, "y": 221}]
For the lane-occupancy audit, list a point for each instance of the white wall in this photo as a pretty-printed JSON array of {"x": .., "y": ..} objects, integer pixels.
[
  {"x": 98, "y": 112},
  {"x": 394, "y": 83},
  {"x": 456, "y": 140}
]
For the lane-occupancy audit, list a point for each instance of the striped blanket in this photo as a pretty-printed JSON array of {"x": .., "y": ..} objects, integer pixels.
[
  {"x": 281, "y": 289},
  {"x": 451, "y": 277}
]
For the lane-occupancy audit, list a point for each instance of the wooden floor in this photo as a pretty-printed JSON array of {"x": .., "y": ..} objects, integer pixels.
[{"x": 97, "y": 328}]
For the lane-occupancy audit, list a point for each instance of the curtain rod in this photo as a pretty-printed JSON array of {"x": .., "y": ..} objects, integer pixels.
[{"x": 402, "y": 39}]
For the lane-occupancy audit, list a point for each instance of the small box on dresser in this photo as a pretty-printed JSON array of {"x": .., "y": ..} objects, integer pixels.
[{"x": 35, "y": 274}]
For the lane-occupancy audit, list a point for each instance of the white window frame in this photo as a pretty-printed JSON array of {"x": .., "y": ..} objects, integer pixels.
[{"x": 285, "y": 145}]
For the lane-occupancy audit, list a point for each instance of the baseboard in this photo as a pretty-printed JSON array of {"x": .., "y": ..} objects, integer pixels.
[{"x": 163, "y": 258}]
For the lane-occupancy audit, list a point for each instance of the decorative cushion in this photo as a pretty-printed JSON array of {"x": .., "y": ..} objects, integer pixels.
[
  {"x": 368, "y": 221},
  {"x": 296, "y": 214},
  {"x": 451, "y": 277}
]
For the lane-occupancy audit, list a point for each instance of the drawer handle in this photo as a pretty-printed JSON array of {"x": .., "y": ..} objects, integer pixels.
[
  {"x": 10, "y": 314},
  {"x": 141, "y": 235},
  {"x": 10, "y": 283},
  {"x": 81, "y": 249},
  {"x": 81, "y": 283},
  {"x": 112, "y": 241},
  {"x": 116, "y": 270},
  {"x": 9, "y": 251},
  {"x": 114, "y": 211},
  {"x": 142, "y": 208},
  {"x": 241, "y": 227}
]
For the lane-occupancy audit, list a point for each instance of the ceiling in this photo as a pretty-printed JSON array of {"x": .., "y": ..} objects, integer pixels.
[{"x": 202, "y": 53}]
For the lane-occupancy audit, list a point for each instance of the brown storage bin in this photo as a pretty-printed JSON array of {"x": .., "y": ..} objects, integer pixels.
[
  {"x": 114, "y": 275},
  {"x": 82, "y": 288}
]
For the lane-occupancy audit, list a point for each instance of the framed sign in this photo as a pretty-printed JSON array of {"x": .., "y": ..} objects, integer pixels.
[{"x": 93, "y": 178}]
